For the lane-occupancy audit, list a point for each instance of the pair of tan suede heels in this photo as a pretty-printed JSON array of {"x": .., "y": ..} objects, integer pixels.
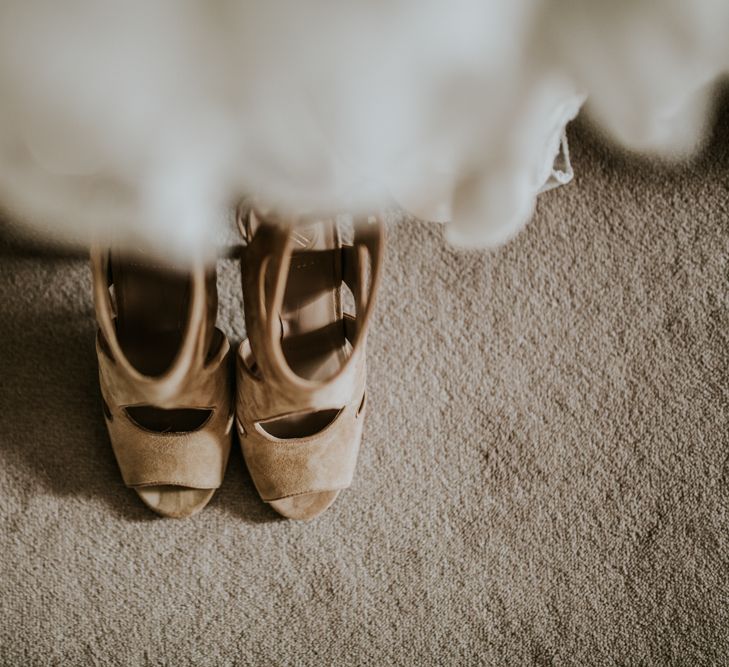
[{"x": 299, "y": 395}]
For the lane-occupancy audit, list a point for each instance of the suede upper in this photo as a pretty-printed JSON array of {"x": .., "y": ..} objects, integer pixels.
[
  {"x": 268, "y": 389},
  {"x": 197, "y": 379},
  {"x": 194, "y": 459}
]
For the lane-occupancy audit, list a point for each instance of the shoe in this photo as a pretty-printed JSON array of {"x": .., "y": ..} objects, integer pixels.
[
  {"x": 300, "y": 397},
  {"x": 165, "y": 384}
]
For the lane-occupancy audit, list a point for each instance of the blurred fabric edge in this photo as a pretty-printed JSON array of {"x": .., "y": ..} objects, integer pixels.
[
  {"x": 147, "y": 123},
  {"x": 34, "y": 239},
  {"x": 40, "y": 239}
]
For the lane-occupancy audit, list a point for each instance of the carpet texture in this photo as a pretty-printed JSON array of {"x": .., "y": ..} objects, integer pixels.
[{"x": 544, "y": 476}]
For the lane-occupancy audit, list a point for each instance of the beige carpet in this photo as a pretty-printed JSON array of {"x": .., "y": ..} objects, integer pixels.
[{"x": 544, "y": 477}]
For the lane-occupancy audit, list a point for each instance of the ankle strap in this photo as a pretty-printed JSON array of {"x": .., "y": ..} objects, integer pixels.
[
  {"x": 270, "y": 247},
  {"x": 191, "y": 355}
]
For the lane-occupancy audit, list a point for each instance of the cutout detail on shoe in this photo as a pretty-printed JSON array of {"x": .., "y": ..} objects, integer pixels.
[
  {"x": 107, "y": 410},
  {"x": 362, "y": 403},
  {"x": 104, "y": 345},
  {"x": 162, "y": 420},
  {"x": 300, "y": 425}
]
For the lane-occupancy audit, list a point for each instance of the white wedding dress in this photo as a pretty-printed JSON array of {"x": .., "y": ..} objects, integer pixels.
[{"x": 148, "y": 120}]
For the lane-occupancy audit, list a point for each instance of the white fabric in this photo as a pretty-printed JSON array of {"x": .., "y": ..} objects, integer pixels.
[{"x": 152, "y": 118}]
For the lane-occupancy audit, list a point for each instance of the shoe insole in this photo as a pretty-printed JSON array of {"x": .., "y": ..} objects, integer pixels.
[
  {"x": 174, "y": 501},
  {"x": 152, "y": 306}
]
